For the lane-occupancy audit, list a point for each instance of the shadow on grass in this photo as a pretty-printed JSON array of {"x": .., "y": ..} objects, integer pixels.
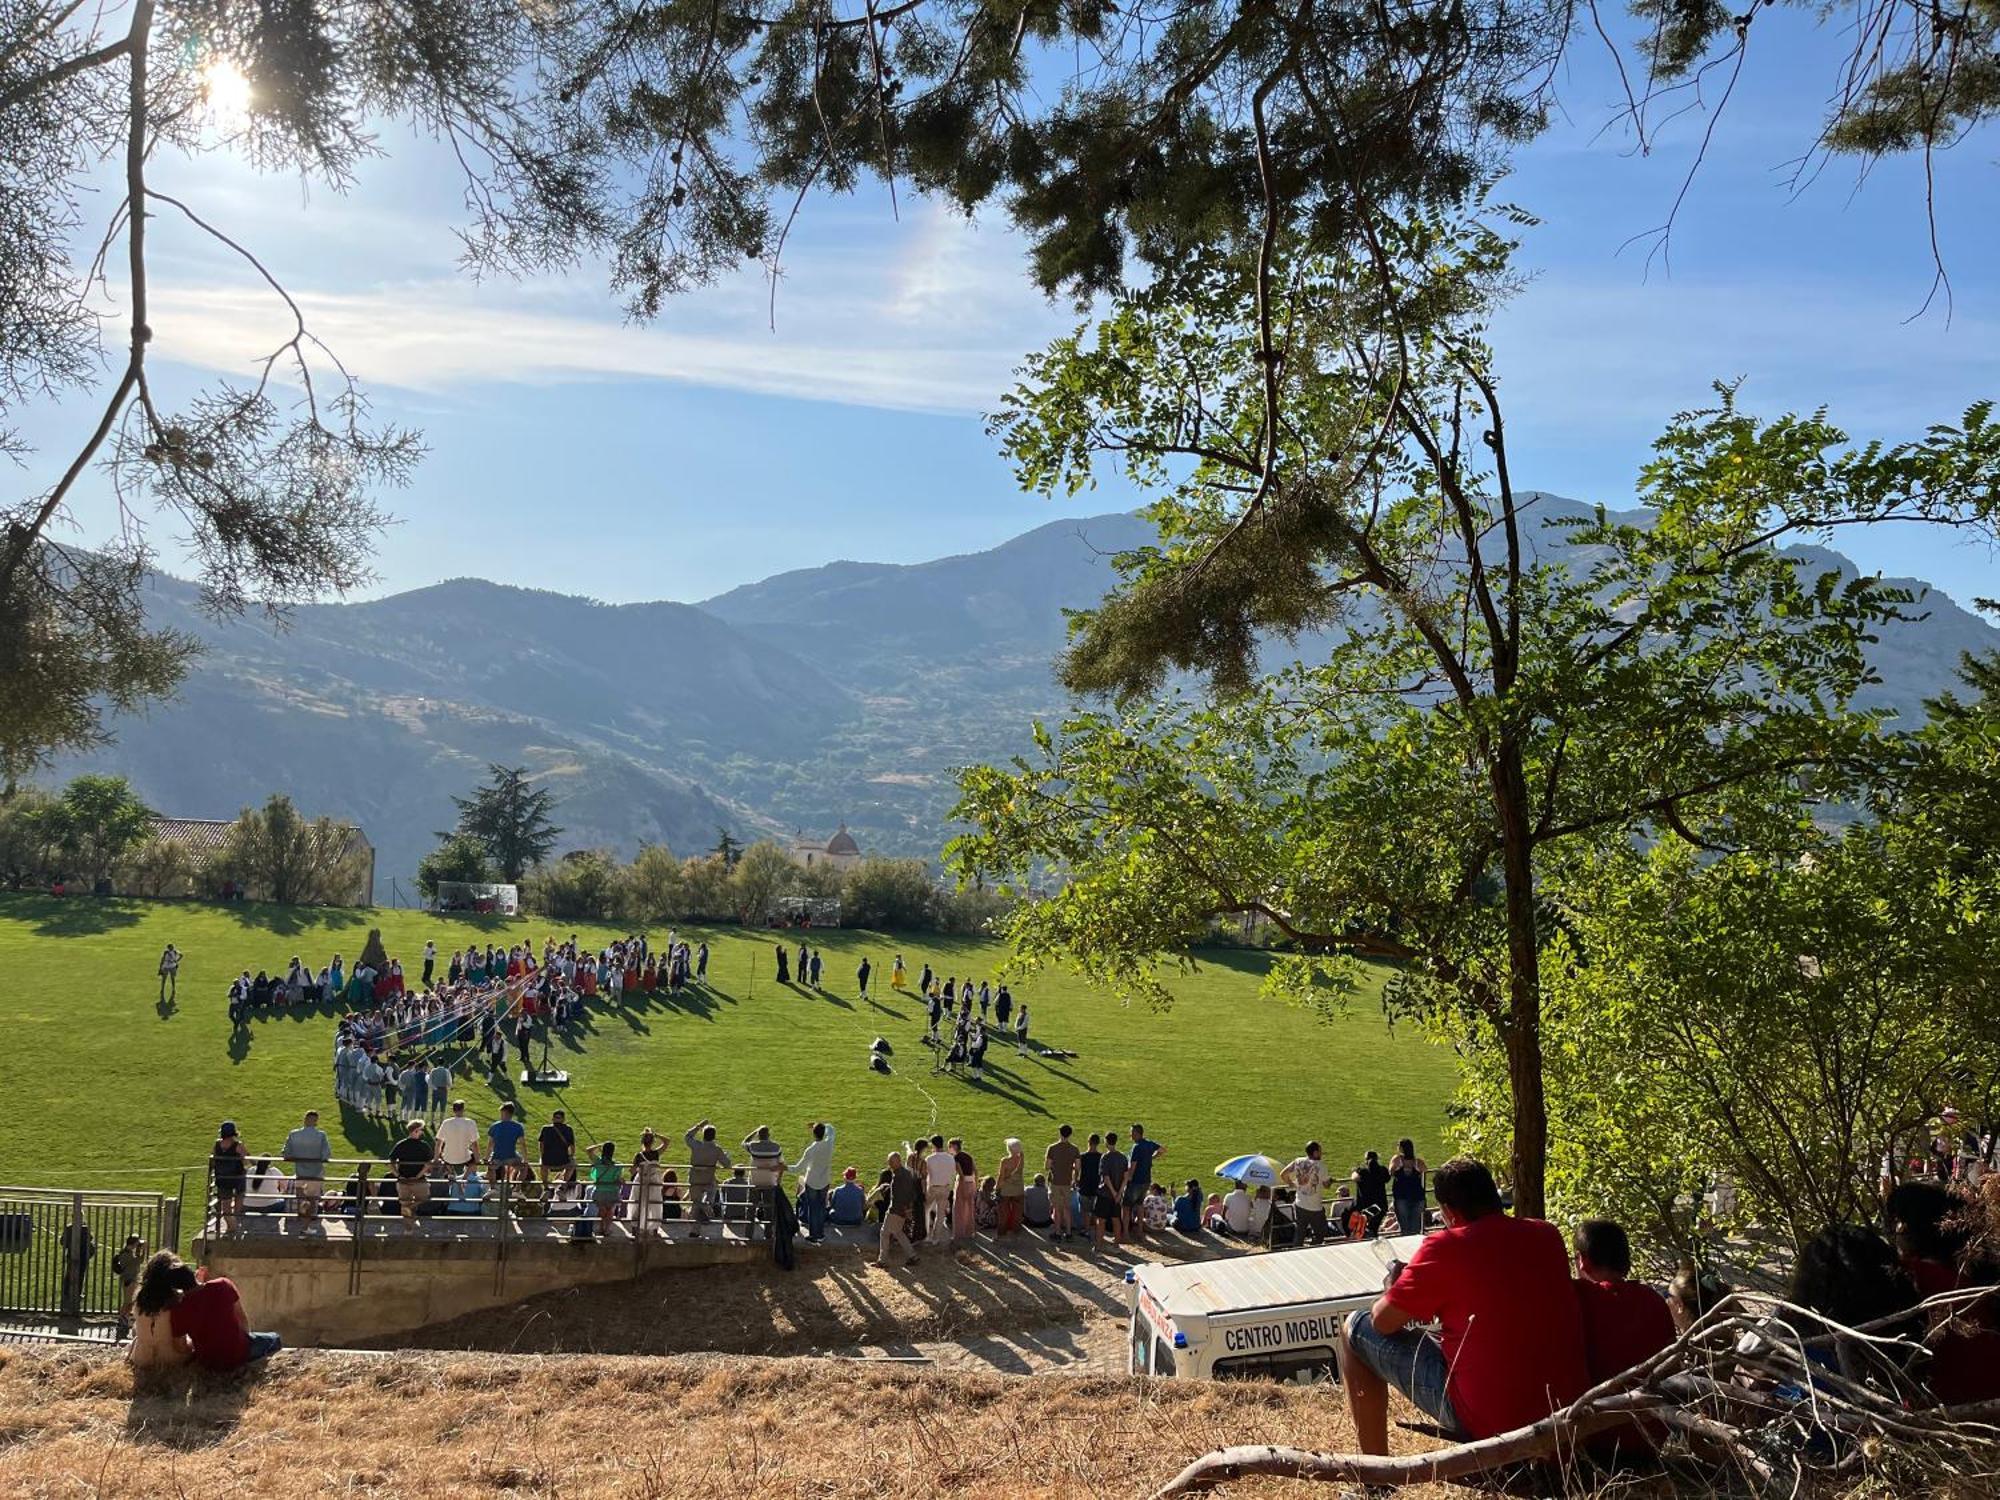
[
  {"x": 288, "y": 921},
  {"x": 189, "y": 1410},
  {"x": 77, "y": 916}
]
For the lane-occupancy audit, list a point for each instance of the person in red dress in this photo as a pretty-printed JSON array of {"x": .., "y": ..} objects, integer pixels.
[{"x": 1509, "y": 1347}]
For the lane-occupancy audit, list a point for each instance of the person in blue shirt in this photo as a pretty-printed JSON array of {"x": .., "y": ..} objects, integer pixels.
[
  {"x": 503, "y": 1138},
  {"x": 849, "y": 1203},
  {"x": 1187, "y": 1209},
  {"x": 1138, "y": 1180}
]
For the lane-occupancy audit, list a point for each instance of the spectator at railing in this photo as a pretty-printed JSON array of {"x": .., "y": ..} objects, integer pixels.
[
  {"x": 606, "y": 1175},
  {"x": 503, "y": 1138},
  {"x": 308, "y": 1150},
  {"x": 814, "y": 1169},
  {"x": 704, "y": 1157},
  {"x": 229, "y": 1171},
  {"x": 412, "y": 1157},
  {"x": 767, "y": 1170}
]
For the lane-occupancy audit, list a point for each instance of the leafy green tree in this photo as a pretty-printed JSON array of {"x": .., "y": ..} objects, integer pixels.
[
  {"x": 652, "y": 888},
  {"x": 457, "y": 858},
  {"x": 763, "y": 874},
  {"x": 893, "y": 895},
  {"x": 94, "y": 824},
  {"x": 1493, "y": 692},
  {"x": 1784, "y": 1025},
  {"x": 1953, "y": 782},
  {"x": 160, "y": 869},
  {"x": 582, "y": 886},
  {"x": 274, "y": 853},
  {"x": 509, "y": 819},
  {"x": 26, "y": 831},
  {"x": 706, "y": 891}
]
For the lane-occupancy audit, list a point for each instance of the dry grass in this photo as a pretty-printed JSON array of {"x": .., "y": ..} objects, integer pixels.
[
  {"x": 586, "y": 1427},
  {"x": 837, "y": 1300},
  {"x": 714, "y": 1427}
]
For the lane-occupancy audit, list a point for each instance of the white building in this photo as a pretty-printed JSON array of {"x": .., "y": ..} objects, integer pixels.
[{"x": 840, "y": 851}]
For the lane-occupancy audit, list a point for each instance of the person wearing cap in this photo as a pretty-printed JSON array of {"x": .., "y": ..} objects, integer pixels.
[
  {"x": 228, "y": 1170},
  {"x": 849, "y": 1201}
]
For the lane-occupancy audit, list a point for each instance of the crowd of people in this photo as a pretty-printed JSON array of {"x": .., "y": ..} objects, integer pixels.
[{"x": 1493, "y": 1323}]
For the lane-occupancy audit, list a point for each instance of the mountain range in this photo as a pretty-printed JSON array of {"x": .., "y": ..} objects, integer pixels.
[{"x": 843, "y": 693}]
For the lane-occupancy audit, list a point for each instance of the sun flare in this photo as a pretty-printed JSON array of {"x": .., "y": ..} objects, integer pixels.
[{"x": 227, "y": 91}]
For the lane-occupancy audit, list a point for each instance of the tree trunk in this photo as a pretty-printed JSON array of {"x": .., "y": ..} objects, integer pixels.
[{"x": 1523, "y": 1030}]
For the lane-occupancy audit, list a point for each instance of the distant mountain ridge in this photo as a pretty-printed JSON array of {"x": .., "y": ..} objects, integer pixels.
[{"x": 842, "y": 693}]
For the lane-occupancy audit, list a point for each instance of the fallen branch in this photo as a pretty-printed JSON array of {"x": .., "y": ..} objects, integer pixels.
[
  {"x": 1551, "y": 1435},
  {"x": 1721, "y": 1388}
]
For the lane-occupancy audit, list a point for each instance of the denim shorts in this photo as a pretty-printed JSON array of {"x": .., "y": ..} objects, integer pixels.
[{"x": 1410, "y": 1360}]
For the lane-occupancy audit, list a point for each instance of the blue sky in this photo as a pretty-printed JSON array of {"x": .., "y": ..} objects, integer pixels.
[{"x": 570, "y": 450}]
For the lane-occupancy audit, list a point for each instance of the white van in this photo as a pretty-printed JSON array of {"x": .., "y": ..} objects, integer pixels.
[{"x": 1274, "y": 1316}]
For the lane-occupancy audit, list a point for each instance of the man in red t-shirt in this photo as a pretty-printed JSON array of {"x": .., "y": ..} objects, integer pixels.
[
  {"x": 1624, "y": 1322},
  {"x": 1509, "y": 1347},
  {"x": 210, "y": 1317}
]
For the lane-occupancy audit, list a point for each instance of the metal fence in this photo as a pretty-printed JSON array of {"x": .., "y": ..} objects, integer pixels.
[{"x": 57, "y": 1248}]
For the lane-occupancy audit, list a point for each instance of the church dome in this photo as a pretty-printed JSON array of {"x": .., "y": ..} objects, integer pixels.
[{"x": 842, "y": 843}]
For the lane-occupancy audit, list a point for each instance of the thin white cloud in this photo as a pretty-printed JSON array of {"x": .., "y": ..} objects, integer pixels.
[{"x": 938, "y": 328}]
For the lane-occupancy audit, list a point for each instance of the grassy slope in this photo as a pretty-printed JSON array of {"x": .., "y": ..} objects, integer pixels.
[
  {"x": 102, "y": 1088},
  {"x": 639, "y": 1429}
]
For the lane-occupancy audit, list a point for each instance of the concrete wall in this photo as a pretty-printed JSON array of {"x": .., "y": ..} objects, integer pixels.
[{"x": 316, "y": 1293}]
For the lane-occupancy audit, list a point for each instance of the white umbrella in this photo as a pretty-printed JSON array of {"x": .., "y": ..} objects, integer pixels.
[{"x": 1252, "y": 1170}]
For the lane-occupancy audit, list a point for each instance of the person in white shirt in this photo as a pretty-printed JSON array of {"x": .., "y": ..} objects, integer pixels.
[
  {"x": 458, "y": 1140},
  {"x": 1306, "y": 1176},
  {"x": 940, "y": 1182},
  {"x": 1236, "y": 1212},
  {"x": 814, "y": 1169},
  {"x": 430, "y": 962}
]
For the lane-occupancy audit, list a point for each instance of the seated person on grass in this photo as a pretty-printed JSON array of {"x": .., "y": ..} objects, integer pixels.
[
  {"x": 1625, "y": 1322},
  {"x": 1509, "y": 1349},
  {"x": 204, "y": 1320},
  {"x": 1236, "y": 1213},
  {"x": 1187, "y": 1209},
  {"x": 1036, "y": 1210}
]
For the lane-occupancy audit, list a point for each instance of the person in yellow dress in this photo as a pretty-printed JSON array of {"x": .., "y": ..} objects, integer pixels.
[{"x": 897, "y": 976}]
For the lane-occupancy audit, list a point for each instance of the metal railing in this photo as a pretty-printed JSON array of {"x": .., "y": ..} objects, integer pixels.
[
  {"x": 57, "y": 1249},
  {"x": 358, "y": 1190}
]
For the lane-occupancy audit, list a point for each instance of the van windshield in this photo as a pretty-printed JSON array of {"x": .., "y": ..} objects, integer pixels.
[{"x": 1308, "y": 1366}]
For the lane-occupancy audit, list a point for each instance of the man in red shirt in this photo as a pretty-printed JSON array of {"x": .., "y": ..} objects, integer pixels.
[
  {"x": 1624, "y": 1322},
  {"x": 1509, "y": 1347},
  {"x": 210, "y": 1317}
]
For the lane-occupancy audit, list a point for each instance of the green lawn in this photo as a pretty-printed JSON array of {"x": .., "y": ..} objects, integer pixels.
[{"x": 101, "y": 1086}]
